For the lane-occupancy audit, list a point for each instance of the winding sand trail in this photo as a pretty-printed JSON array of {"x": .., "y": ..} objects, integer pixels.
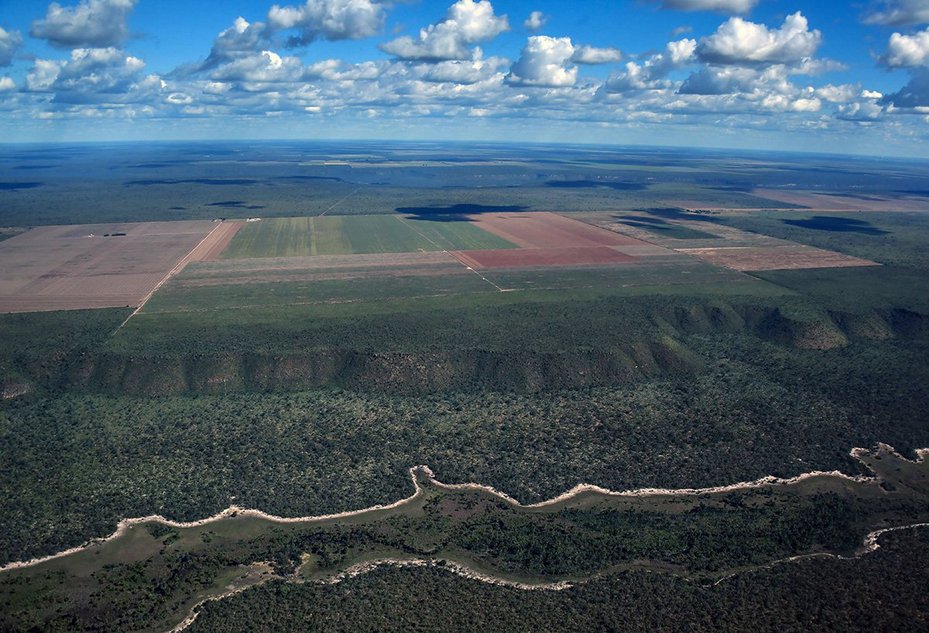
[
  {"x": 870, "y": 543},
  {"x": 769, "y": 481}
]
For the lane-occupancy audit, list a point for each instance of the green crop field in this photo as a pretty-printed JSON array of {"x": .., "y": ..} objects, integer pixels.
[{"x": 342, "y": 235}]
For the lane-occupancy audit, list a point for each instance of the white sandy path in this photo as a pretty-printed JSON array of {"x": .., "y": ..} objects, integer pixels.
[
  {"x": 231, "y": 511},
  {"x": 869, "y": 545}
]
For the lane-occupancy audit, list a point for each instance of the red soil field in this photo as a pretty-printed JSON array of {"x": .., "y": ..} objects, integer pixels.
[
  {"x": 548, "y": 230},
  {"x": 516, "y": 258}
]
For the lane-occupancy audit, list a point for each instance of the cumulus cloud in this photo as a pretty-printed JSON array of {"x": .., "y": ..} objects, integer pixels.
[
  {"x": 10, "y": 41},
  {"x": 862, "y": 111},
  {"x": 90, "y": 24},
  {"x": 535, "y": 21},
  {"x": 466, "y": 23},
  {"x": 720, "y": 80},
  {"x": 328, "y": 19},
  {"x": 263, "y": 67},
  {"x": 650, "y": 75},
  {"x": 907, "y": 51},
  {"x": 544, "y": 62},
  {"x": 7, "y": 84},
  {"x": 94, "y": 76},
  {"x": 463, "y": 72},
  {"x": 900, "y": 12},
  {"x": 241, "y": 37},
  {"x": 591, "y": 55},
  {"x": 739, "y": 41},
  {"x": 724, "y": 6}
]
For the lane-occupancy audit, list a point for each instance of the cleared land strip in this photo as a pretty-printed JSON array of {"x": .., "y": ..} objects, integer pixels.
[
  {"x": 789, "y": 257},
  {"x": 204, "y": 247},
  {"x": 215, "y": 243}
]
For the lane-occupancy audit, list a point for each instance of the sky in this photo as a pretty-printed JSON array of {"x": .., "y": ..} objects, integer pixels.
[{"x": 805, "y": 75}]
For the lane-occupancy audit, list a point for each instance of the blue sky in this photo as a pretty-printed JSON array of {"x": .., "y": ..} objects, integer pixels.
[{"x": 767, "y": 74}]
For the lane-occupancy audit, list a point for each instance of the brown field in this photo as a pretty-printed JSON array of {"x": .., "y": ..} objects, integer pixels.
[
  {"x": 790, "y": 257},
  {"x": 75, "y": 267},
  {"x": 522, "y": 257},
  {"x": 548, "y": 230}
]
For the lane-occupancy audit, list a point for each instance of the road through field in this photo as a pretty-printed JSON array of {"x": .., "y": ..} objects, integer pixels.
[
  {"x": 453, "y": 254},
  {"x": 219, "y": 236}
]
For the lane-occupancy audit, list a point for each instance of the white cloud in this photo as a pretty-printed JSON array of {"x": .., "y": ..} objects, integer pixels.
[
  {"x": 90, "y": 24},
  {"x": 839, "y": 94},
  {"x": 241, "y": 37},
  {"x": 593, "y": 55},
  {"x": 907, "y": 51},
  {"x": 860, "y": 111},
  {"x": 544, "y": 62},
  {"x": 900, "y": 12},
  {"x": 466, "y": 23},
  {"x": 328, "y": 19},
  {"x": 720, "y": 80},
  {"x": 535, "y": 21},
  {"x": 7, "y": 84},
  {"x": 95, "y": 77},
  {"x": 10, "y": 41},
  {"x": 724, "y": 6},
  {"x": 463, "y": 72},
  {"x": 739, "y": 41},
  {"x": 43, "y": 75},
  {"x": 263, "y": 67},
  {"x": 650, "y": 75}
]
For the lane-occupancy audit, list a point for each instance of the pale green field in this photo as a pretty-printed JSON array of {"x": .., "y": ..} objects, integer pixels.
[{"x": 344, "y": 235}]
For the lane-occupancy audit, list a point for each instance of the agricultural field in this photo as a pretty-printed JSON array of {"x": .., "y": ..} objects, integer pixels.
[
  {"x": 92, "y": 266},
  {"x": 526, "y": 320},
  {"x": 335, "y": 235}
]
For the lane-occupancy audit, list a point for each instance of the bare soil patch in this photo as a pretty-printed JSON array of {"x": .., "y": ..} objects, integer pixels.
[
  {"x": 548, "y": 230},
  {"x": 91, "y": 266}
]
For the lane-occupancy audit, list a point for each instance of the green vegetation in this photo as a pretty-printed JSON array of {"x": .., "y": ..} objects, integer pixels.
[
  {"x": 299, "y": 391},
  {"x": 705, "y": 536},
  {"x": 340, "y": 235},
  {"x": 894, "y": 239}
]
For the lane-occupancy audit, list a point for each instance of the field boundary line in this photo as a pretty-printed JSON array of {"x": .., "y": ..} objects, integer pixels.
[
  {"x": 341, "y": 200},
  {"x": 177, "y": 268},
  {"x": 448, "y": 252}
]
